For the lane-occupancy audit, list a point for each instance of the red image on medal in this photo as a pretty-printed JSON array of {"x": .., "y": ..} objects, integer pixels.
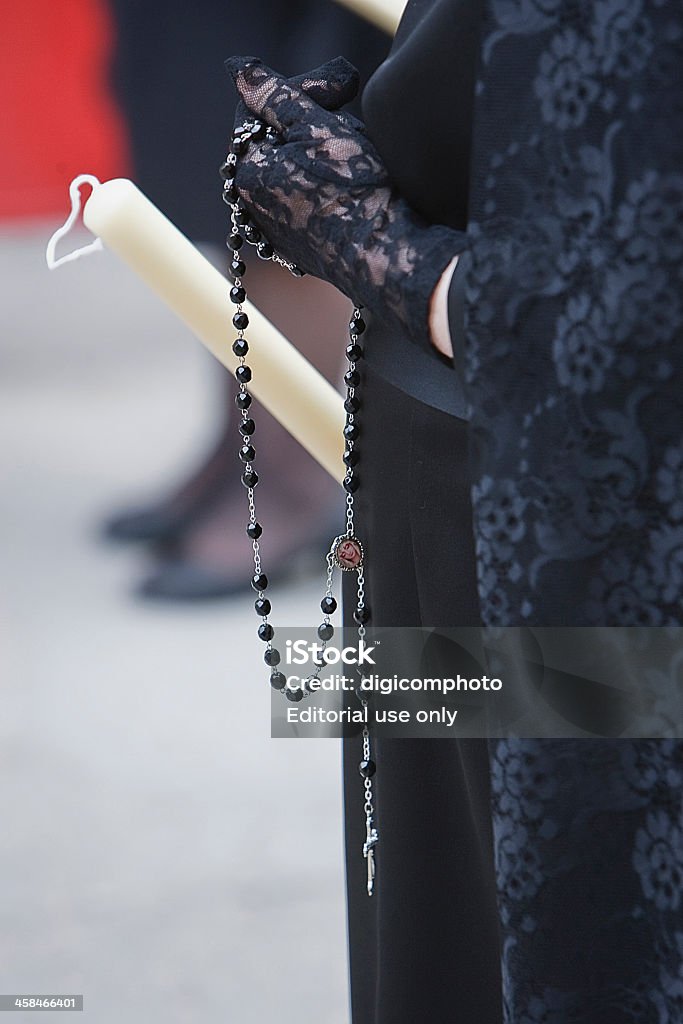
[{"x": 348, "y": 553}]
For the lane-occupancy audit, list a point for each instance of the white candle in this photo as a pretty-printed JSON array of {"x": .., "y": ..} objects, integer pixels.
[
  {"x": 386, "y": 14},
  {"x": 299, "y": 397}
]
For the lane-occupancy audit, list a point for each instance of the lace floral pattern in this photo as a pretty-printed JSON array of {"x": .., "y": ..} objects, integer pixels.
[
  {"x": 574, "y": 364},
  {"x": 589, "y": 861},
  {"x": 574, "y": 319}
]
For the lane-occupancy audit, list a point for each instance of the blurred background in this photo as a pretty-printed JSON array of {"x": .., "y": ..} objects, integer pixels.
[{"x": 159, "y": 853}]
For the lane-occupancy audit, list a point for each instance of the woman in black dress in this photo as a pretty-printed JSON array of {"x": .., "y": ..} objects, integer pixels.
[{"x": 536, "y": 478}]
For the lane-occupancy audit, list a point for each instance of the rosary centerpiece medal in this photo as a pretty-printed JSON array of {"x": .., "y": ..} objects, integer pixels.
[{"x": 347, "y": 553}]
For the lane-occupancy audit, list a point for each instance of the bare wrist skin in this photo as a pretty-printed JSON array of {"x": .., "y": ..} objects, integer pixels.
[{"x": 438, "y": 312}]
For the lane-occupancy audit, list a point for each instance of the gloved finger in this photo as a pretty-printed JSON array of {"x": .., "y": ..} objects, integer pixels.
[
  {"x": 271, "y": 97},
  {"x": 242, "y": 112},
  {"x": 332, "y": 85}
]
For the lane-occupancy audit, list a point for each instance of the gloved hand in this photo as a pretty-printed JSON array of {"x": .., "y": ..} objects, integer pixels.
[{"x": 321, "y": 195}]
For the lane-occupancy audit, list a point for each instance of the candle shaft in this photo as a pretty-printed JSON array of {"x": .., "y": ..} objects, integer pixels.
[
  {"x": 386, "y": 14},
  {"x": 299, "y": 397}
]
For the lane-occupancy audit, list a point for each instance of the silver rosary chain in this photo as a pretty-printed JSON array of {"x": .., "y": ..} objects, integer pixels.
[{"x": 332, "y": 561}]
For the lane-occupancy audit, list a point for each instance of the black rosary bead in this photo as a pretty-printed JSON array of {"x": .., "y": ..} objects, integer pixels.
[
  {"x": 354, "y": 353},
  {"x": 254, "y": 531},
  {"x": 252, "y": 234},
  {"x": 238, "y": 145},
  {"x": 361, "y": 615},
  {"x": 259, "y": 581},
  {"x": 277, "y": 680},
  {"x": 266, "y": 631},
  {"x": 243, "y": 374},
  {"x": 240, "y": 321},
  {"x": 238, "y": 268},
  {"x": 227, "y": 170},
  {"x": 296, "y": 694},
  {"x": 367, "y": 768},
  {"x": 351, "y": 431},
  {"x": 351, "y": 457},
  {"x": 237, "y": 295},
  {"x": 357, "y": 325},
  {"x": 328, "y": 605},
  {"x": 325, "y": 631},
  {"x": 272, "y": 657},
  {"x": 240, "y": 347},
  {"x": 265, "y": 250},
  {"x": 250, "y": 478},
  {"x": 262, "y": 606},
  {"x": 247, "y": 427},
  {"x": 234, "y": 241},
  {"x": 243, "y": 400},
  {"x": 242, "y": 217},
  {"x": 230, "y": 193},
  {"x": 247, "y": 453},
  {"x": 258, "y": 130},
  {"x": 352, "y": 378},
  {"x": 350, "y": 483},
  {"x": 352, "y": 404}
]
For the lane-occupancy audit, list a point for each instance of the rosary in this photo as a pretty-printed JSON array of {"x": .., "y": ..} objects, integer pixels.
[{"x": 346, "y": 551}]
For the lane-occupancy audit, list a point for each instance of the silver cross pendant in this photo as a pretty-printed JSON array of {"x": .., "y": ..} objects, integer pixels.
[{"x": 369, "y": 854}]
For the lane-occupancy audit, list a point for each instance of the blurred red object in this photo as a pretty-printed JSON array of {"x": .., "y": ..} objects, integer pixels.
[{"x": 57, "y": 115}]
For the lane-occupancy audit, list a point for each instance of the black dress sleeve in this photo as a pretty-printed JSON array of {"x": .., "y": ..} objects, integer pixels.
[
  {"x": 418, "y": 107},
  {"x": 418, "y": 111}
]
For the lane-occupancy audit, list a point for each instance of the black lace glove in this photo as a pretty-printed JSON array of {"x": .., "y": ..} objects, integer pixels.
[{"x": 322, "y": 197}]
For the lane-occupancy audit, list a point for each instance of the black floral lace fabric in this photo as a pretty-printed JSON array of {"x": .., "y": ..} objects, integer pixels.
[
  {"x": 589, "y": 862},
  {"x": 574, "y": 365},
  {"x": 321, "y": 195},
  {"x": 574, "y": 310}
]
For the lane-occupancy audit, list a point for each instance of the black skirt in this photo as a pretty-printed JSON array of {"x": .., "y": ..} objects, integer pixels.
[{"x": 427, "y": 941}]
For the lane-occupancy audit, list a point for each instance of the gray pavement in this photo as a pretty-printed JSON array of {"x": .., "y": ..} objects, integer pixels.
[{"x": 158, "y": 852}]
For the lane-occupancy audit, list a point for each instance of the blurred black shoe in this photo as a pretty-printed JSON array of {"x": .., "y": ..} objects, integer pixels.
[
  {"x": 167, "y": 520},
  {"x": 300, "y": 508}
]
